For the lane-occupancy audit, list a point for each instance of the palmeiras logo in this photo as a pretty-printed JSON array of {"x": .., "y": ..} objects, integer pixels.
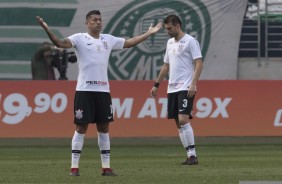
[{"x": 144, "y": 61}]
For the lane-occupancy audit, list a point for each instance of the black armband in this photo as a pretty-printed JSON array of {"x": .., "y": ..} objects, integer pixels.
[{"x": 156, "y": 84}]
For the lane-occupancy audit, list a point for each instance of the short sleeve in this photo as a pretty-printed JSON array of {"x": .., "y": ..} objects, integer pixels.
[
  {"x": 166, "y": 58},
  {"x": 74, "y": 38},
  {"x": 118, "y": 43},
  {"x": 195, "y": 49}
]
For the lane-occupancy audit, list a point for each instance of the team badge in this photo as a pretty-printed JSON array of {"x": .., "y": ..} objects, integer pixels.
[
  {"x": 180, "y": 48},
  {"x": 105, "y": 44},
  {"x": 78, "y": 114}
]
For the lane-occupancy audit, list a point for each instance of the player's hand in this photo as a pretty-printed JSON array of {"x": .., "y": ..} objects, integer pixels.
[
  {"x": 154, "y": 92},
  {"x": 41, "y": 22},
  {"x": 191, "y": 91},
  {"x": 153, "y": 30}
]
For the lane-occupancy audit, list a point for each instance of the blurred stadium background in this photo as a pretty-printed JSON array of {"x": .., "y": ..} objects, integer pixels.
[{"x": 257, "y": 25}]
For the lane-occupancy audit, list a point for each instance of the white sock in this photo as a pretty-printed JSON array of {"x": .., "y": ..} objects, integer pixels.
[
  {"x": 76, "y": 146},
  {"x": 182, "y": 138},
  {"x": 189, "y": 136},
  {"x": 104, "y": 145}
]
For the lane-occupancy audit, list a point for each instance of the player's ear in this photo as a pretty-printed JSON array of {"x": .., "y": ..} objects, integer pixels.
[{"x": 178, "y": 26}]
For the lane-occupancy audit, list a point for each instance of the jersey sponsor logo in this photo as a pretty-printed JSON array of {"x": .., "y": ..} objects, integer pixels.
[
  {"x": 176, "y": 85},
  {"x": 97, "y": 83},
  {"x": 78, "y": 114},
  {"x": 144, "y": 61}
]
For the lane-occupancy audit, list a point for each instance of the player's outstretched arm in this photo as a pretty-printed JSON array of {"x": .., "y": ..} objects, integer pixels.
[
  {"x": 137, "y": 39},
  {"x": 65, "y": 43}
]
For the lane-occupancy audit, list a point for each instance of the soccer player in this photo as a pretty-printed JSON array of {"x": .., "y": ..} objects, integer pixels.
[
  {"x": 93, "y": 103},
  {"x": 183, "y": 62}
]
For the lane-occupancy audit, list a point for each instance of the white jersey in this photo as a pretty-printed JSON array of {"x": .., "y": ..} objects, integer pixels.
[
  {"x": 93, "y": 59},
  {"x": 180, "y": 55}
]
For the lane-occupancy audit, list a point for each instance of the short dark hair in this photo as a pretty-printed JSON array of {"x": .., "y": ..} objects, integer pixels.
[
  {"x": 92, "y": 12},
  {"x": 173, "y": 19}
]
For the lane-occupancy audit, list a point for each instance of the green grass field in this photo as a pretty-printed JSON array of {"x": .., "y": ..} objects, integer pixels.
[{"x": 222, "y": 160}]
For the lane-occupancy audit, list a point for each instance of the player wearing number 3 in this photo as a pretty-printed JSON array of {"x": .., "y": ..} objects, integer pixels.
[
  {"x": 92, "y": 103},
  {"x": 183, "y": 62}
]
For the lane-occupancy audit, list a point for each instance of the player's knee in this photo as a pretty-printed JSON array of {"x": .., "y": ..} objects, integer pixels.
[
  {"x": 183, "y": 119},
  {"x": 103, "y": 127},
  {"x": 81, "y": 129}
]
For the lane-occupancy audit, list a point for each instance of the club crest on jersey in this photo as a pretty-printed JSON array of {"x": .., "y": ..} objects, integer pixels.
[
  {"x": 78, "y": 114},
  {"x": 180, "y": 48},
  {"x": 105, "y": 44}
]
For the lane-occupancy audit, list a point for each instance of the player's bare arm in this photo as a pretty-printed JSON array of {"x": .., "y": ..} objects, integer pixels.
[
  {"x": 197, "y": 73},
  {"x": 137, "y": 39},
  {"x": 65, "y": 43},
  {"x": 163, "y": 73}
]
